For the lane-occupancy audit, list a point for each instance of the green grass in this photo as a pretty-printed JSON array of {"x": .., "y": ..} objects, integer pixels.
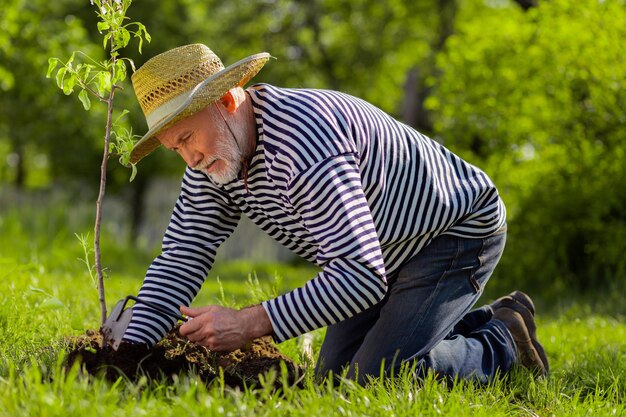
[{"x": 46, "y": 294}]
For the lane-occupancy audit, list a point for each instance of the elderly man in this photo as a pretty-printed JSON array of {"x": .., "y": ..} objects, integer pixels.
[{"x": 405, "y": 232}]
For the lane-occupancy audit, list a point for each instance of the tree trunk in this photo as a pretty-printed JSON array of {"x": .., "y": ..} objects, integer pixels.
[
  {"x": 527, "y": 4},
  {"x": 413, "y": 111},
  {"x": 416, "y": 90},
  {"x": 20, "y": 168},
  {"x": 410, "y": 103}
]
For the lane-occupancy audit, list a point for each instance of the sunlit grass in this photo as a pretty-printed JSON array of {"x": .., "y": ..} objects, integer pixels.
[{"x": 46, "y": 294}]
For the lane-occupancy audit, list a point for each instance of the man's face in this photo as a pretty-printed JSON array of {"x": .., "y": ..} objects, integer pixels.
[{"x": 206, "y": 144}]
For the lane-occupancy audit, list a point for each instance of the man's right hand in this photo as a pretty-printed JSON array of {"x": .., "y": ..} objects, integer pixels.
[{"x": 223, "y": 329}]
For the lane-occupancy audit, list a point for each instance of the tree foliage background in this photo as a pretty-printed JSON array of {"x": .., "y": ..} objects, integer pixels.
[{"x": 531, "y": 91}]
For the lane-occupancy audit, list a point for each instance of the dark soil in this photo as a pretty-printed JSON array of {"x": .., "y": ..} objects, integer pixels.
[{"x": 175, "y": 355}]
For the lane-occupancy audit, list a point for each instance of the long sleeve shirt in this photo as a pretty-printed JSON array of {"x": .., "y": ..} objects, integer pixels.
[{"x": 341, "y": 184}]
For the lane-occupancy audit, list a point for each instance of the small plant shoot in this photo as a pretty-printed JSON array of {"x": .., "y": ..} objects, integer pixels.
[{"x": 99, "y": 81}]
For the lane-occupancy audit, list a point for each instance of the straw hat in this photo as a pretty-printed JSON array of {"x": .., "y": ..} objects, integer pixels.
[{"x": 182, "y": 81}]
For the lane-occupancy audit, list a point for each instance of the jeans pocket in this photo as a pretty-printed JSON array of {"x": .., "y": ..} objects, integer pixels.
[
  {"x": 472, "y": 280},
  {"x": 480, "y": 257}
]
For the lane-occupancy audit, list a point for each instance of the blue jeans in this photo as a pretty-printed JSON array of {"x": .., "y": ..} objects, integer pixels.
[{"x": 425, "y": 318}]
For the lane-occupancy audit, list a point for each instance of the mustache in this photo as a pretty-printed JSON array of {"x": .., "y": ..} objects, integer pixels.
[{"x": 205, "y": 164}]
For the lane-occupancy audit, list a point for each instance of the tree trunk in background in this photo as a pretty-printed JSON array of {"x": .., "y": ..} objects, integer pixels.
[
  {"x": 416, "y": 90},
  {"x": 527, "y": 4},
  {"x": 412, "y": 111},
  {"x": 20, "y": 168}
]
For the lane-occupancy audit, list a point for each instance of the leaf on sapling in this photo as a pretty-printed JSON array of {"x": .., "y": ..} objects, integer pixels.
[
  {"x": 133, "y": 168},
  {"x": 146, "y": 35},
  {"x": 105, "y": 40},
  {"x": 142, "y": 34},
  {"x": 83, "y": 96},
  {"x": 103, "y": 83},
  {"x": 125, "y": 37},
  {"x": 52, "y": 64},
  {"x": 84, "y": 70},
  {"x": 123, "y": 113},
  {"x": 59, "y": 77},
  {"x": 68, "y": 83},
  {"x": 102, "y": 26},
  {"x": 120, "y": 71},
  {"x": 100, "y": 78}
]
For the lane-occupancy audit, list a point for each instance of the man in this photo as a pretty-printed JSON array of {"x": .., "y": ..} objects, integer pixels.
[{"x": 405, "y": 232}]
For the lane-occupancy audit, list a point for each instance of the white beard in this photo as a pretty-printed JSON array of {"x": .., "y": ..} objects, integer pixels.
[
  {"x": 228, "y": 153},
  {"x": 231, "y": 157}
]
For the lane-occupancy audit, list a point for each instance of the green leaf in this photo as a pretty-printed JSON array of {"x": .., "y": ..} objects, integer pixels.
[
  {"x": 51, "y": 303},
  {"x": 140, "y": 45},
  {"x": 133, "y": 173},
  {"x": 120, "y": 71},
  {"x": 103, "y": 83},
  {"x": 142, "y": 34},
  {"x": 86, "y": 68},
  {"x": 102, "y": 26},
  {"x": 37, "y": 290},
  {"x": 83, "y": 96},
  {"x": 52, "y": 64},
  {"x": 106, "y": 39},
  {"x": 119, "y": 118},
  {"x": 122, "y": 38},
  {"x": 59, "y": 77},
  {"x": 69, "y": 83}
]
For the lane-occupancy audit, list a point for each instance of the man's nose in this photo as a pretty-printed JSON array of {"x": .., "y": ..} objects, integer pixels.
[{"x": 191, "y": 156}]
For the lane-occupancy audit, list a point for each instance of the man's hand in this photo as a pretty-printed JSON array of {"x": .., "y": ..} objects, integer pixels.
[{"x": 223, "y": 329}]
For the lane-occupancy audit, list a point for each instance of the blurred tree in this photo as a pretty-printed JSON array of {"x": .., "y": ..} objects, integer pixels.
[
  {"x": 539, "y": 99},
  {"x": 37, "y": 126},
  {"x": 526, "y": 4}
]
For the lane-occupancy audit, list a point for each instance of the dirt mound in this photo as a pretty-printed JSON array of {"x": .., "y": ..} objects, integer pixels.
[{"x": 175, "y": 355}]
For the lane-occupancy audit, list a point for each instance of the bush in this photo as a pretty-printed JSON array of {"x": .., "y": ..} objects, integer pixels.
[{"x": 538, "y": 99}]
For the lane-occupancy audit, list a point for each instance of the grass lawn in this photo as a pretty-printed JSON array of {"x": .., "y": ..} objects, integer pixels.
[{"x": 46, "y": 294}]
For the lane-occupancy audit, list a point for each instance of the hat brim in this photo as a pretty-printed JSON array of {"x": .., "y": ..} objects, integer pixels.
[{"x": 196, "y": 99}]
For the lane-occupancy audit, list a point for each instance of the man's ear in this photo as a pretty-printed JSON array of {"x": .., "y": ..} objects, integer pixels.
[{"x": 229, "y": 101}]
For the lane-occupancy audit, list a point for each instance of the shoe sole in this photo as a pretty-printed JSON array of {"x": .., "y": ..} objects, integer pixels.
[
  {"x": 518, "y": 297},
  {"x": 523, "y": 299},
  {"x": 527, "y": 316}
]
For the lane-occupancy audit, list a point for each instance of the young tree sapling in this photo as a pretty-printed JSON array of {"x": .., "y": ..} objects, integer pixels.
[{"x": 101, "y": 80}]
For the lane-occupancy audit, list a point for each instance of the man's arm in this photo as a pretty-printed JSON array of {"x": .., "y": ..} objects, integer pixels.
[
  {"x": 330, "y": 199},
  {"x": 201, "y": 221}
]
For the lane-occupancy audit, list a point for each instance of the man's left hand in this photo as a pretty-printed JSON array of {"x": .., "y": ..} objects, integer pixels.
[{"x": 223, "y": 329}]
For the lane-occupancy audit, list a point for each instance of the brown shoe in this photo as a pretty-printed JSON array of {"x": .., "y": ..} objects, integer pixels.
[
  {"x": 525, "y": 343},
  {"x": 522, "y": 303},
  {"x": 516, "y": 297}
]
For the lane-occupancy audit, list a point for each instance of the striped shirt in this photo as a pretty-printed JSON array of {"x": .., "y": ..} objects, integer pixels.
[{"x": 340, "y": 183}]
